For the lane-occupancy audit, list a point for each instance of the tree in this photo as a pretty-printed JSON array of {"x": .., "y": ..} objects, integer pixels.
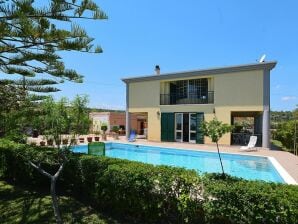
[
  {"x": 80, "y": 115},
  {"x": 57, "y": 118},
  {"x": 215, "y": 129},
  {"x": 30, "y": 42},
  {"x": 30, "y": 37}
]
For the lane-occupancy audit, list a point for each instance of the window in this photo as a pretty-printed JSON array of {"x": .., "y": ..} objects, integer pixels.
[
  {"x": 194, "y": 88},
  {"x": 182, "y": 89},
  {"x": 198, "y": 88}
]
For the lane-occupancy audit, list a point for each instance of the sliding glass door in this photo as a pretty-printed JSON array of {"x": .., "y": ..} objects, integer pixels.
[
  {"x": 185, "y": 127},
  {"x": 178, "y": 127},
  {"x": 192, "y": 127}
]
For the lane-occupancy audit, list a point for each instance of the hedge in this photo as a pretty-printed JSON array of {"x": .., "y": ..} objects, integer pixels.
[{"x": 155, "y": 194}]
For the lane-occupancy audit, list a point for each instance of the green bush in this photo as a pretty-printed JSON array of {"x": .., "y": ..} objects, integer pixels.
[
  {"x": 155, "y": 194},
  {"x": 285, "y": 133}
]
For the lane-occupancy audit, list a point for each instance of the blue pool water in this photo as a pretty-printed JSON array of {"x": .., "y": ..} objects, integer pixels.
[{"x": 247, "y": 167}]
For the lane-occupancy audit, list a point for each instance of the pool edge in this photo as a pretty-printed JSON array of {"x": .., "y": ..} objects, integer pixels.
[{"x": 281, "y": 171}]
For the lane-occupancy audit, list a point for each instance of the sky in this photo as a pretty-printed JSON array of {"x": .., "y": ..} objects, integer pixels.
[{"x": 186, "y": 35}]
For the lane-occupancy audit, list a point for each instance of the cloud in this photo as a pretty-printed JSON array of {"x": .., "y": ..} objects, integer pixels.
[{"x": 287, "y": 98}]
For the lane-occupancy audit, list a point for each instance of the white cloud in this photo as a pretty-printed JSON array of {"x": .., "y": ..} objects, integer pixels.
[{"x": 287, "y": 98}]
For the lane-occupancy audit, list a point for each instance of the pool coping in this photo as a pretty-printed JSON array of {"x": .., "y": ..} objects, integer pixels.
[{"x": 281, "y": 171}]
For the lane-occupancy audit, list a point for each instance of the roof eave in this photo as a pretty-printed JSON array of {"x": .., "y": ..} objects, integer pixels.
[{"x": 219, "y": 70}]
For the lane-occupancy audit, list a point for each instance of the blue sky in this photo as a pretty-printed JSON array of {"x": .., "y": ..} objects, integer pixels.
[{"x": 186, "y": 35}]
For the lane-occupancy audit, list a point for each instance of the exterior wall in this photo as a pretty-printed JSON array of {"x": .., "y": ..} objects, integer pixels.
[
  {"x": 117, "y": 119},
  {"x": 111, "y": 119},
  {"x": 235, "y": 91}
]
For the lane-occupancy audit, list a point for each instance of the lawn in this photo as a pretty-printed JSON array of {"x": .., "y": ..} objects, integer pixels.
[{"x": 18, "y": 205}]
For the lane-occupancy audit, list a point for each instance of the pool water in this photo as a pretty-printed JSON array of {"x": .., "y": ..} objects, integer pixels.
[{"x": 247, "y": 167}]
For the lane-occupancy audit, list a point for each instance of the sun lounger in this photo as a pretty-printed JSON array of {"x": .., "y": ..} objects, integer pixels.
[{"x": 251, "y": 146}]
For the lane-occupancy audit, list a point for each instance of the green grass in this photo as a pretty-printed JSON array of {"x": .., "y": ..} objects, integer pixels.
[{"x": 22, "y": 206}]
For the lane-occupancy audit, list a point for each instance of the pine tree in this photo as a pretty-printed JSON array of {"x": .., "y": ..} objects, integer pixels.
[{"x": 30, "y": 39}]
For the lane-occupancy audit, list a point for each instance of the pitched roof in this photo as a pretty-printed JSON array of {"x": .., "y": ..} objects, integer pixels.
[{"x": 211, "y": 71}]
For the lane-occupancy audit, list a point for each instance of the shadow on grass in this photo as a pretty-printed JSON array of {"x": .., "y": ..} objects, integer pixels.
[{"x": 21, "y": 206}]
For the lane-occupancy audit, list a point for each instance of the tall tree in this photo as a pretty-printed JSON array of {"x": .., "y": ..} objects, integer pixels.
[
  {"x": 32, "y": 36},
  {"x": 215, "y": 129}
]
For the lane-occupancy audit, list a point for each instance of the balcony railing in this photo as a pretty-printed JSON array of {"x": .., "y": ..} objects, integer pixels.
[{"x": 173, "y": 99}]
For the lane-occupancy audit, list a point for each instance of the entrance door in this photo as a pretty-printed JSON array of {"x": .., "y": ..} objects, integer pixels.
[{"x": 185, "y": 127}]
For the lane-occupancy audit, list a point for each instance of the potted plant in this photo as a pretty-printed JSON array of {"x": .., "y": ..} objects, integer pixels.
[
  {"x": 104, "y": 128},
  {"x": 115, "y": 130},
  {"x": 50, "y": 141},
  {"x": 89, "y": 139},
  {"x": 65, "y": 141},
  {"x": 96, "y": 138},
  {"x": 82, "y": 140},
  {"x": 42, "y": 143}
]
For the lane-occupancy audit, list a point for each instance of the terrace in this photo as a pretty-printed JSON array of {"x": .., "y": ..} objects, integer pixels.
[{"x": 194, "y": 91}]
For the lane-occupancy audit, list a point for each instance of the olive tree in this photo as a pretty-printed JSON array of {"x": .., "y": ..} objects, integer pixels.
[
  {"x": 57, "y": 118},
  {"x": 215, "y": 129}
]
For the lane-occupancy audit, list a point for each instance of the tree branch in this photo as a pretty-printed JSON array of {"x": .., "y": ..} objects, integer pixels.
[{"x": 42, "y": 171}]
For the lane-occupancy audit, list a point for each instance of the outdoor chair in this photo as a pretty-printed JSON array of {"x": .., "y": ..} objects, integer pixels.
[
  {"x": 251, "y": 146},
  {"x": 132, "y": 136}
]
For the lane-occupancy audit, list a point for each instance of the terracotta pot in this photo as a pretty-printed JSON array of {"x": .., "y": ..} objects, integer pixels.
[
  {"x": 42, "y": 143},
  {"x": 89, "y": 139},
  {"x": 82, "y": 140},
  {"x": 96, "y": 138},
  {"x": 50, "y": 142}
]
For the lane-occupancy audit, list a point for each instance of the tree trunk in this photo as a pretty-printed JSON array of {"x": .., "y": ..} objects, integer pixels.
[
  {"x": 53, "y": 179},
  {"x": 55, "y": 203},
  {"x": 223, "y": 172}
]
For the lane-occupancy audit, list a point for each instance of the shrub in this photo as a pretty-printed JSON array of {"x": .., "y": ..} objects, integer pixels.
[{"x": 156, "y": 194}]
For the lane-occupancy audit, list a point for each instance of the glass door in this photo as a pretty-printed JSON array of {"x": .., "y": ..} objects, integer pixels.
[
  {"x": 178, "y": 127},
  {"x": 192, "y": 127}
]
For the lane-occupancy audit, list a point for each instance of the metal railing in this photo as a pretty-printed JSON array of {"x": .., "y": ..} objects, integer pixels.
[{"x": 174, "y": 98}]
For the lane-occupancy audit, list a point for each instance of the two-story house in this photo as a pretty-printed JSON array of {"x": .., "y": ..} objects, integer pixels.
[{"x": 175, "y": 104}]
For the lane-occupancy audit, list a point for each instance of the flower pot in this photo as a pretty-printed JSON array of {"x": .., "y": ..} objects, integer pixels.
[
  {"x": 82, "y": 140},
  {"x": 42, "y": 143},
  {"x": 89, "y": 139},
  {"x": 65, "y": 141},
  {"x": 50, "y": 142},
  {"x": 96, "y": 138}
]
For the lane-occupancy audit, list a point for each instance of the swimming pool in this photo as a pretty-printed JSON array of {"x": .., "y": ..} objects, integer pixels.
[{"x": 245, "y": 166}]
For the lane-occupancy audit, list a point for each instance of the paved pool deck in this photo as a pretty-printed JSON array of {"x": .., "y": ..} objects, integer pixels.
[{"x": 287, "y": 160}]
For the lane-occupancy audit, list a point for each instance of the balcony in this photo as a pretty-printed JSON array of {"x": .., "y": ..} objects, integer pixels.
[{"x": 174, "y": 99}]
